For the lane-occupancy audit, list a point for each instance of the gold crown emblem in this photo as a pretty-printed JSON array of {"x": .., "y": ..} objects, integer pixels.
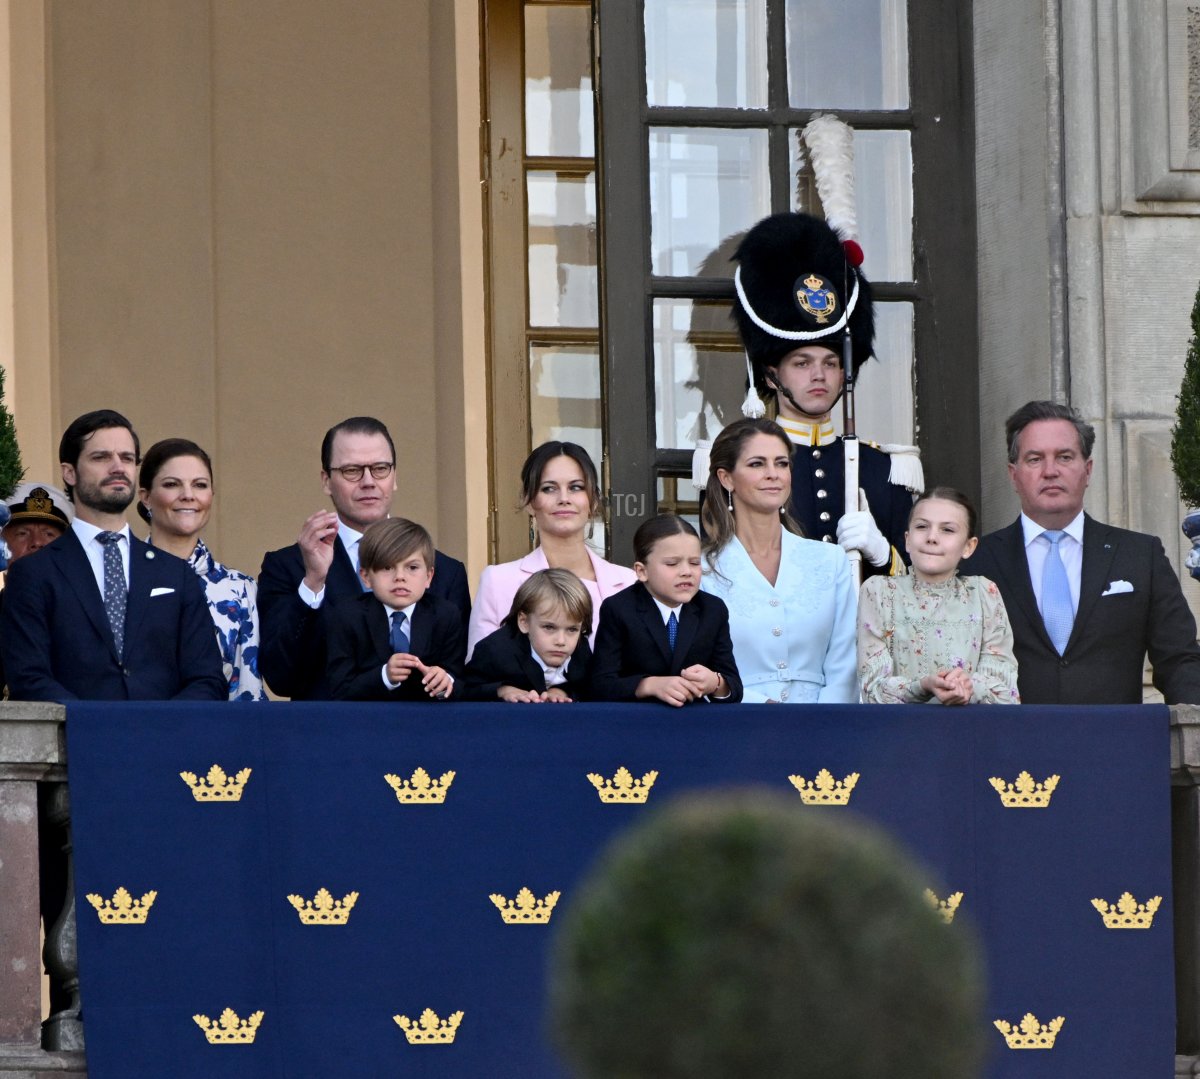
[
  {"x": 429, "y": 1029},
  {"x": 525, "y": 909},
  {"x": 825, "y": 790},
  {"x": 947, "y": 907},
  {"x": 420, "y": 789},
  {"x": 622, "y": 788},
  {"x": 813, "y": 281},
  {"x": 1024, "y": 793},
  {"x": 1125, "y": 913},
  {"x": 39, "y": 501},
  {"x": 123, "y": 909},
  {"x": 229, "y": 1029},
  {"x": 1030, "y": 1034},
  {"x": 323, "y": 909},
  {"x": 217, "y": 786}
]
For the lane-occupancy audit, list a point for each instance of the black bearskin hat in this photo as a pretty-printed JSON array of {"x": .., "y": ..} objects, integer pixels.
[{"x": 794, "y": 275}]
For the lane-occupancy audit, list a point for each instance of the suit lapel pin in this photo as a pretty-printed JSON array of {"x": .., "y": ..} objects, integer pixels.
[{"x": 149, "y": 554}]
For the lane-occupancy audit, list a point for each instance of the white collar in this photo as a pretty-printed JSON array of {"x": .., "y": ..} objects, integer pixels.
[
  {"x": 666, "y": 611},
  {"x": 87, "y": 532},
  {"x": 1031, "y": 529}
]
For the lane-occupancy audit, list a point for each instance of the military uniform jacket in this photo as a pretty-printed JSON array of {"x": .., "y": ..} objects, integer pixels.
[{"x": 819, "y": 495}]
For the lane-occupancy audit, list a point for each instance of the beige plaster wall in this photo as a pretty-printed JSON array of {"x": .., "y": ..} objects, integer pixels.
[{"x": 264, "y": 217}]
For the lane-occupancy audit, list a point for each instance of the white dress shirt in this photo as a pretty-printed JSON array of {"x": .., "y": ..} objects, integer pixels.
[
  {"x": 94, "y": 549},
  {"x": 555, "y": 676},
  {"x": 1070, "y": 550}
]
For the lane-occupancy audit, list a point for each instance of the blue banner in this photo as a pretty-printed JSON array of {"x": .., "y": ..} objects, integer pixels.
[{"x": 315, "y": 818}]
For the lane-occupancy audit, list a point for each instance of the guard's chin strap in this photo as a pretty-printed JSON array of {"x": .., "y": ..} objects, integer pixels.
[{"x": 782, "y": 390}]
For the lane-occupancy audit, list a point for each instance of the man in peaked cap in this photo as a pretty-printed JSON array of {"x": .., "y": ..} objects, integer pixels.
[
  {"x": 799, "y": 295},
  {"x": 39, "y": 514}
]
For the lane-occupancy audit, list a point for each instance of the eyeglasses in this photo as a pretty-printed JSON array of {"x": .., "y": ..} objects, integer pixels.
[{"x": 353, "y": 473}]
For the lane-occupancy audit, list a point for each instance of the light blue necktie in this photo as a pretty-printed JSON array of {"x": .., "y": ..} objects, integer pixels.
[
  {"x": 672, "y": 630},
  {"x": 115, "y": 589},
  {"x": 1058, "y": 610},
  {"x": 399, "y": 637}
]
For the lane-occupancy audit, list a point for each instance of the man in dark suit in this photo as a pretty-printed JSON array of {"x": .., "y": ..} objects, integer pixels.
[
  {"x": 1087, "y": 601},
  {"x": 358, "y": 473},
  {"x": 98, "y": 614}
]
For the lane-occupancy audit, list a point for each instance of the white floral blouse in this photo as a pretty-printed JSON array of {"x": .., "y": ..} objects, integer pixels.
[
  {"x": 231, "y": 602},
  {"x": 909, "y": 628}
]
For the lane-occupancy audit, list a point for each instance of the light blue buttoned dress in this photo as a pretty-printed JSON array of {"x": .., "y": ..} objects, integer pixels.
[{"x": 794, "y": 641}]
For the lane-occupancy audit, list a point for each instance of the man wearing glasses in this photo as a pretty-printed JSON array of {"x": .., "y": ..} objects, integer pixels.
[{"x": 358, "y": 473}]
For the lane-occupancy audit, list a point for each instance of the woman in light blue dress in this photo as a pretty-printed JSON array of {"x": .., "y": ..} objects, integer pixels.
[
  {"x": 175, "y": 498},
  {"x": 792, "y": 605}
]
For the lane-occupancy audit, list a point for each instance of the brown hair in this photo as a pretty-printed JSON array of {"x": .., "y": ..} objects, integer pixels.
[
  {"x": 1032, "y": 411},
  {"x": 950, "y": 494},
  {"x": 658, "y": 528},
  {"x": 389, "y": 542},
  {"x": 716, "y": 517},
  {"x": 158, "y": 455},
  {"x": 535, "y": 464},
  {"x": 553, "y": 588}
]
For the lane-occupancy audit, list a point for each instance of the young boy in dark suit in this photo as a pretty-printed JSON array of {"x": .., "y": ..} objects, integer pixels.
[
  {"x": 397, "y": 641},
  {"x": 540, "y": 652},
  {"x": 662, "y": 638}
]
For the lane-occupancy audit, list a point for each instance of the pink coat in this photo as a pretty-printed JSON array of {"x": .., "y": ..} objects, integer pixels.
[{"x": 498, "y": 585}]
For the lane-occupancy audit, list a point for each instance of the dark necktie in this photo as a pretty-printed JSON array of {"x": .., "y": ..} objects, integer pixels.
[
  {"x": 672, "y": 630},
  {"x": 399, "y": 637},
  {"x": 1058, "y": 610},
  {"x": 115, "y": 589}
]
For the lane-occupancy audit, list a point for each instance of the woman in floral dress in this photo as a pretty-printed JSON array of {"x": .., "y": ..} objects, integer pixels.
[{"x": 175, "y": 498}]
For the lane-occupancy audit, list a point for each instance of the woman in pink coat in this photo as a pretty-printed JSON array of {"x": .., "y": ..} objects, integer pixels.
[{"x": 561, "y": 494}]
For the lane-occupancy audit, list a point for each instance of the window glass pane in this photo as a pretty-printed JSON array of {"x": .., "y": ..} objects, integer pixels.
[
  {"x": 558, "y": 81},
  {"x": 706, "y": 53},
  {"x": 884, "y": 407},
  {"x": 564, "y": 405},
  {"x": 563, "y": 281},
  {"x": 883, "y": 194},
  {"x": 851, "y": 54},
  {"x": 677, "y": 495},
  {"x": 706, "y": 187},
  {"x": 699, "y": 371}
]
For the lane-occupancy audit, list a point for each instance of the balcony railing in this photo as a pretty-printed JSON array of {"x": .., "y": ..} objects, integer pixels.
[{"x": 35, "y": 831}]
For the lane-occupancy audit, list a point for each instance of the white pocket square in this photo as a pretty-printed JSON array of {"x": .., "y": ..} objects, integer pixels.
[
  {"x": 160, "y": 592},
  {"x": 1115, "y": 588}
]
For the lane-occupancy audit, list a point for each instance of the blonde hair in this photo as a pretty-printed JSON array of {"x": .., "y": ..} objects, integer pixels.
[
  {"x": 716, "y": 517},
  {"x": 549, "y": 588}
]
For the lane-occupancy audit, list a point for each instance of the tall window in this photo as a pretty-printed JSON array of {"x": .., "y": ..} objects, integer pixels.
[
  {"x": 702, "y": 107},
  {"x": 543, "y": 279}
]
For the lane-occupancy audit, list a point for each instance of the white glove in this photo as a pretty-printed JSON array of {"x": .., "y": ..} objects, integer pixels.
[{"x": 857, "y": 531}]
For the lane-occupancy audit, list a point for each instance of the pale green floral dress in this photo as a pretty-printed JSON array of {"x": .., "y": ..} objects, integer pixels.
[{"x": 908, "y": 629}]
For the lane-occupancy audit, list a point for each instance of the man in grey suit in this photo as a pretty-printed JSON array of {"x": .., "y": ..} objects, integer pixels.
[{"x": 1087, "y": 601}]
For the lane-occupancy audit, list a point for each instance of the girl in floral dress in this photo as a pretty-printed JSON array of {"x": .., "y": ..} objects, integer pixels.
[{"x": 934, "y": 636}]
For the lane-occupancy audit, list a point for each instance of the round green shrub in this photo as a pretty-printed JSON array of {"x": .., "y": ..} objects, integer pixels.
[{"x": 743, "y": 936}]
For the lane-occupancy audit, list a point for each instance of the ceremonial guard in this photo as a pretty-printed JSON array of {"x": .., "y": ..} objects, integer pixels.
[{"x": 805, "y": 316}]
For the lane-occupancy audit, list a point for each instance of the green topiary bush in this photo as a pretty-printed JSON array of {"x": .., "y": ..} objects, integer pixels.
[
  {"x": 744, "y": 936},
  {"x": 10, "y": 453},
  {"x": 1185, "y": 437}
]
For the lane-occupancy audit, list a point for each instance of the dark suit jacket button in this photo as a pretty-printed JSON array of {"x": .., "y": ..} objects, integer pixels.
[
  {"x": 126, "y": 671},
  {"x": 1062, "y": 662}
]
